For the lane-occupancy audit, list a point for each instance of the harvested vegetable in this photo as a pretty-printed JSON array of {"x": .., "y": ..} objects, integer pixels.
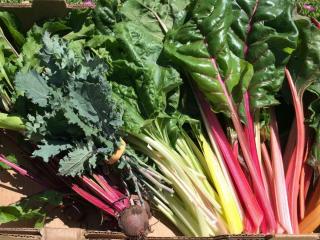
[{"x": 208, "y": 109}]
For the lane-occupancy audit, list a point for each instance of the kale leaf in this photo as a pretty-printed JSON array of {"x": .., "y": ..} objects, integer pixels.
[{"x": 71, "y": 112}]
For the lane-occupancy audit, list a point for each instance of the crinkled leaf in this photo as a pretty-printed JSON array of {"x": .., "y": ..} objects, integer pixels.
[
  {"x": 81, "y": 101},
  {"x": 264, "y": 34},
  {"x": 201, "y": 49},
  {"x": 105, "y": 15},
  {"x": 33, "y": 86},
  {"x": 304, "y": 65},
  {"x": 81, "y": 106},
  {"x": 155, "y": 15},
  {"x": 50, "y": 149},
  {"x": 77, "y": 159},
  {"x": 135, "y": 52}
]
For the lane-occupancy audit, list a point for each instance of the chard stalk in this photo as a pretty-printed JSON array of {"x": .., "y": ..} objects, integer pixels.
[
  {"x": 245, "y": 147},
  {"x": 249, "y": 131},
  {"x": 293, "y": 187},
  {"x": 279, "y": 183},
  {"x": 308, "y": 179},
  {"x": 311, "y": 221},
  {"x": 217, "y": 135},
  {"x": 315, "y": 198},
  {"x": 228, "y": 200},
  {"x": 290, "y": 147},
  {"x": 302, "y": 189},
  {"x": 172, "y": 217}
]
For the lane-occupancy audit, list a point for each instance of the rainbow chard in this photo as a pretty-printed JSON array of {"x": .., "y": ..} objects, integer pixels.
[
  {"x": 303, "y": 79},
  {"x": 258, "y": 36},
  {"x": 235, "y": 53}
]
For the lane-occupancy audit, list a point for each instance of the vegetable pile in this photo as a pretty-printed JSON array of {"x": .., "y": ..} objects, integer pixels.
[{"x": 208, "y": 110}]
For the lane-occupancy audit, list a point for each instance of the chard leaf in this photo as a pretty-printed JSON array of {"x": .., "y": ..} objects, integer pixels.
[
  {"x": 50, "y": 149},
  {"x": 304, "y": 67},
  {"x": 106, "y": 15},
  {"x": 155, "y": 15},
  {"x": 264, "y": 34},
  {"x": 135, "y": 50},
  {"x": 76, "y": 160},
  {"x": 12, "y": 26},
  {"x": 31, "y": 208},
  {"x": 200, "y": 48},
  {"x": 314, "y": 157},
  {"x": 34, "y": 87}
]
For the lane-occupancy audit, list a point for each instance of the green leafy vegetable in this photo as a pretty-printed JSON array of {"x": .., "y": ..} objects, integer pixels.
[
  {"x": 10, "y": 158},
  {"x": 32, "y": 208},
  {"x": 82, "y": 118}
]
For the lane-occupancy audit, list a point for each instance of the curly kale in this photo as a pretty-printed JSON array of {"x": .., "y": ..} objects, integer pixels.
[{"x": 71, "y": 113}]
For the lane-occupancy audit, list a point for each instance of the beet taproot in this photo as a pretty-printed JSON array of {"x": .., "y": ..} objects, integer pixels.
[{"x": 134, "y": 221}]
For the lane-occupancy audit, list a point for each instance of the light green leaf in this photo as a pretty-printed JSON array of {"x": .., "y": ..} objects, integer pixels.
[
  {"x": 11, "y": 158},
  {"x": 50, "y": 149},
  {"x": 74, "y": 163},
  {"x": 34, "y": 87}
]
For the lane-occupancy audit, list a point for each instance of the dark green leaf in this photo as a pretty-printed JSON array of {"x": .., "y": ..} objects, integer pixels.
[
  {"x": 9, "y": 22},
  {"x": 304, "y": 64},
  {"x": 201, "y": 49},
  {"x": 264, "y": 34}
]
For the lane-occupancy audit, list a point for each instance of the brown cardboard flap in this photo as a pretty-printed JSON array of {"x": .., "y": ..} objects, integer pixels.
[
  {"x": 81, "y": 234},
  {"x": 62, "y": 234},
  {"x": 296, "y": 237}
]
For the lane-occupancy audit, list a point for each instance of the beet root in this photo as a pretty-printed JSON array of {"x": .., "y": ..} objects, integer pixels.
[
  {"x": 146, "y": 204},
  {"x": 134, "y": 221}
]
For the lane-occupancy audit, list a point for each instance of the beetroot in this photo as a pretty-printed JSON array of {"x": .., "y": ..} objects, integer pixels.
[
  {"x": 146, "y": 204},
  {"x": 134, "y": 221}
]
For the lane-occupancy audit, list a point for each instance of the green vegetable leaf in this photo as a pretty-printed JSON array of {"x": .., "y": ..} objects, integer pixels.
[
  {"x": 106, "y": 15},
  {"x": 81, "y": 109},
  {"x": 155, "y": 16},
  {"x": 9, "y": 22},
  {"x": 201, "y": 49},
  {"x": 264, "y": 34},
  {"x": 11, "y": 158},
  {"x": 74, "y": 163},
  {"x": 314, "y": 157},
  {"x": 34, "y": 86},
  {"x": 50, "y": 149},
  {"x": 33, "y": 207},
  {"x": 304, "y": 64},
  {"x": 135, "y": 49}
]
